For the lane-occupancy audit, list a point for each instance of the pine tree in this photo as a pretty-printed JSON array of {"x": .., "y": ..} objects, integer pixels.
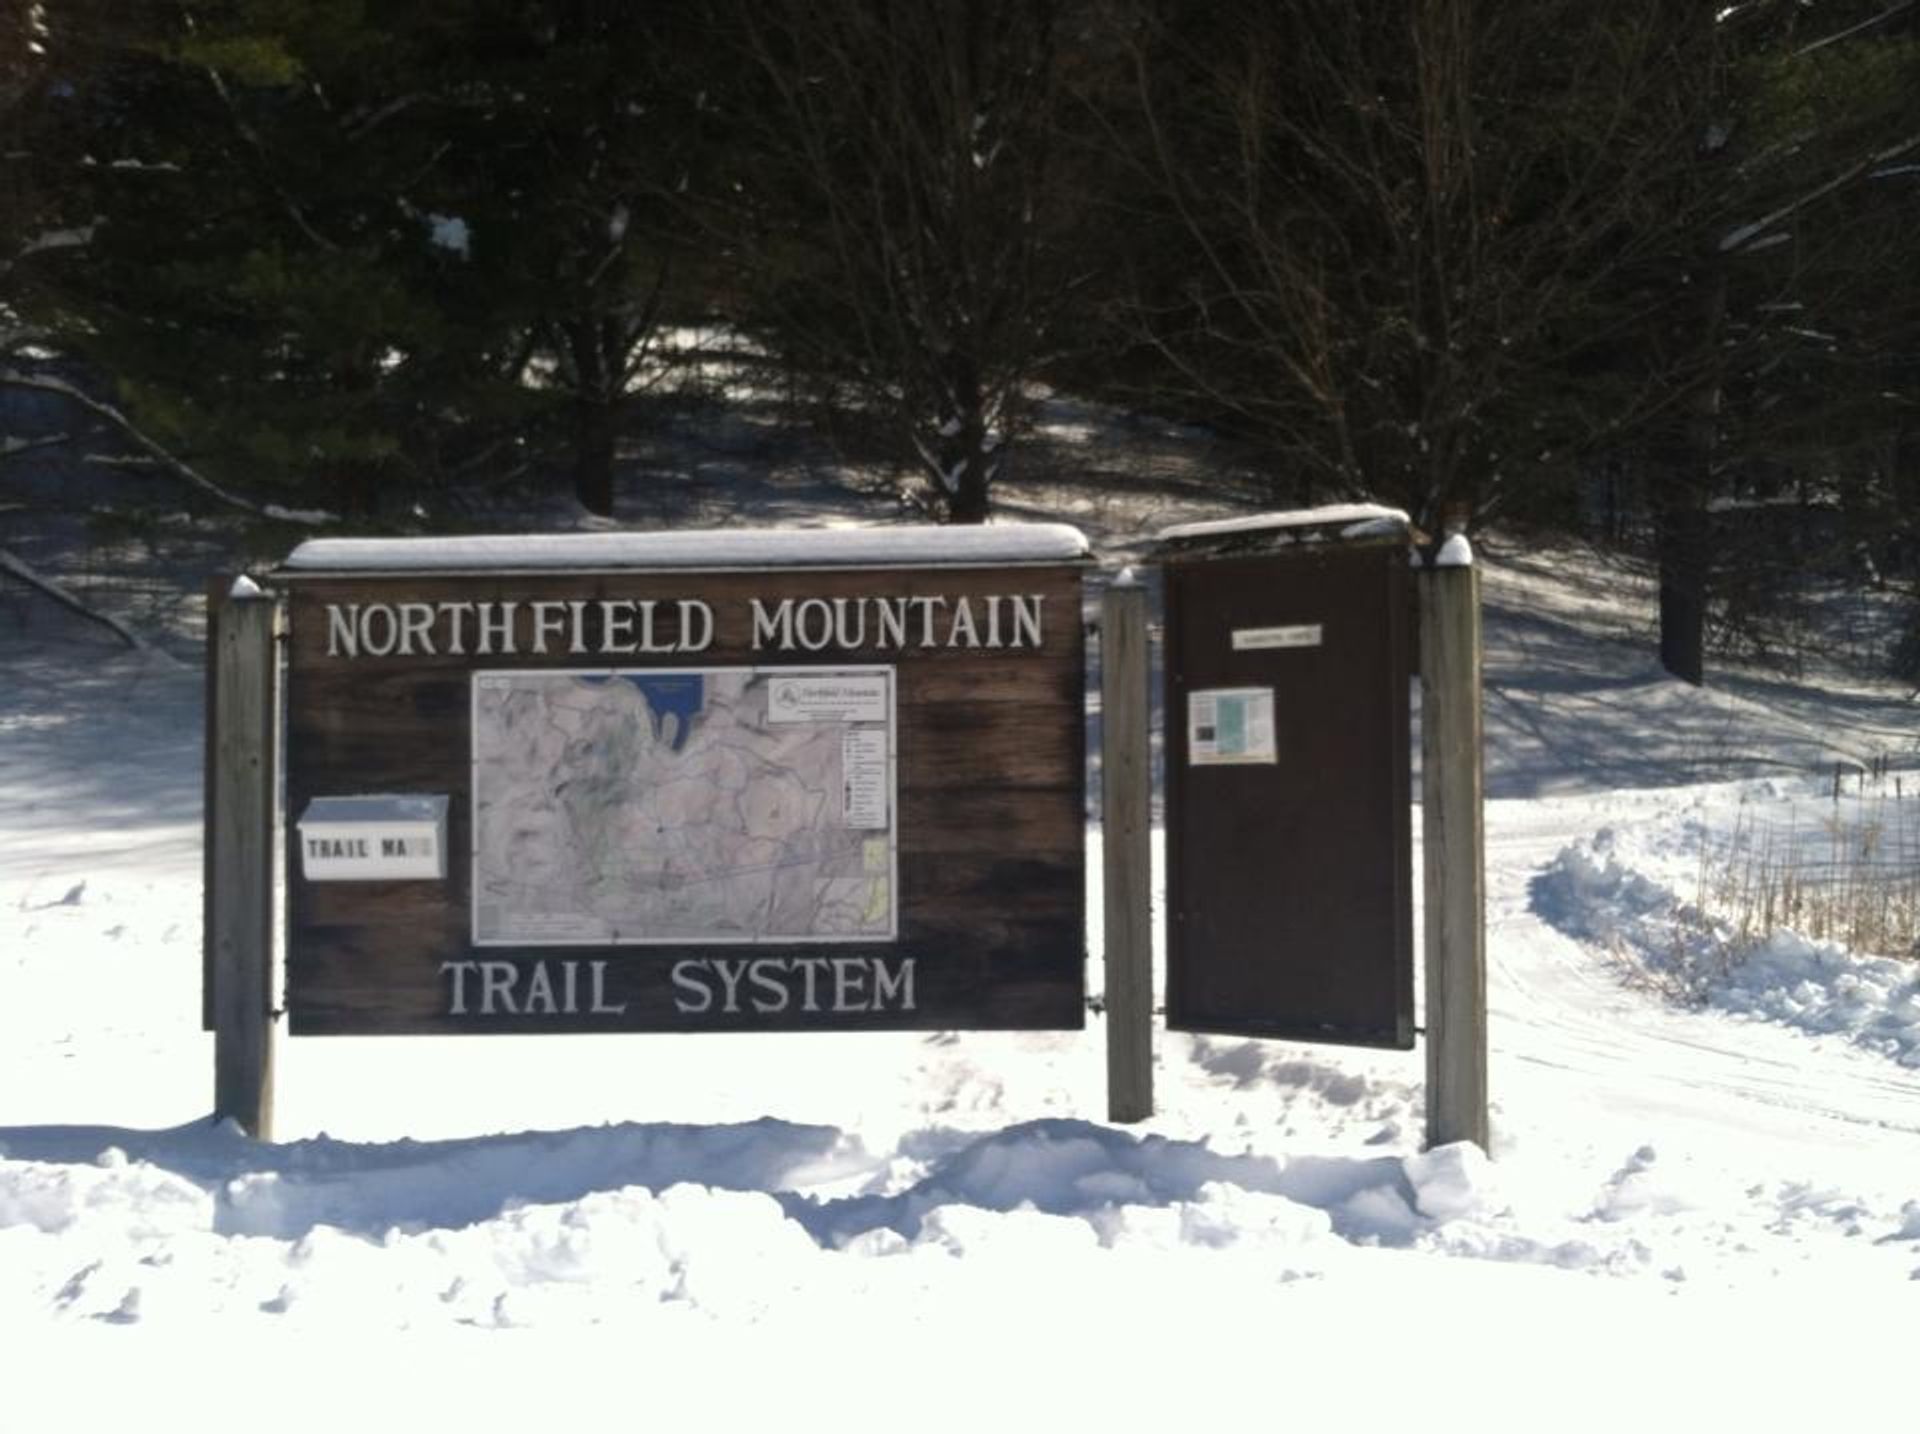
[
  {"x": 581, "y": 128},
  {"x": 358, "y": 252},
  {"x": 268, "y": 282},
  {"x": 1374, "y": 240},
  {"x": 1791, "y": 294},
  {"x": 899, "y": 214}
]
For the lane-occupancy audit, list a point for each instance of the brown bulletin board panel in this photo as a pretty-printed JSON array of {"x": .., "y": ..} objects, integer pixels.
[
  {"x": 989, "y": 824},
  {"x": 1289, "y": 881}
]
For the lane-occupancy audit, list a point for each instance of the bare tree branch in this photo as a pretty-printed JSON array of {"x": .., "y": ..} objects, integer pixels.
[
  {"x": 11, "y": 447},
  {"x": 1746, "y": 234},
  {"x": 40, "y": 582},
  {"x": 164, "y": 457},
  {"x": 267, "y": 167}
]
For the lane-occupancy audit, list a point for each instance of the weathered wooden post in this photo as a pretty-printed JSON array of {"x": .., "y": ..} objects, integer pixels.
[
  {"x": 217, "y": 588},
  {"x": 1125, "y": 817},
  {"x": 239, "y": 834},
  {"x": 1454, "y": 847}
]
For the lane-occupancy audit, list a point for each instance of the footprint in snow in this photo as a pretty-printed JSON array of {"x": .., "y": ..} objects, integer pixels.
[{"x": 72, "y": 898}]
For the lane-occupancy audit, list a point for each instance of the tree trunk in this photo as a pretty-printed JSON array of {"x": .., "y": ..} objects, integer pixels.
[
  {"x": 1905, "y": 551},
  {"x": 1684, "y": 556},
  {"x": 969, "y": 502},
  {"x": 1905, "y": 555},
  {"x": 967, "y": 455},
  {"x": 1683, "y": 535},
  {"x": 594, "y": 432},
  {"x": 595, "y": 418}
]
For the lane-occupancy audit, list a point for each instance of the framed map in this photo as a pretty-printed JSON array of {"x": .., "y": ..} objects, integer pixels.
[{"x": 691, "y": 805}]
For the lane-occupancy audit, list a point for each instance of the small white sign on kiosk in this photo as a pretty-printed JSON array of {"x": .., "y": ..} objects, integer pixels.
[{"x": 374, "y": 838}]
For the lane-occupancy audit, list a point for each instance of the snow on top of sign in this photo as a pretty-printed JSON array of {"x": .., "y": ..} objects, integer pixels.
[
  {"x": 380, "y": 808},
  {"x": 902, "y": 545},
  {"x": 1354, "y": 520}
]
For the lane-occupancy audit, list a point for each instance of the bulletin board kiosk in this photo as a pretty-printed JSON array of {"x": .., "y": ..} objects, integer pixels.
[{"x": 1288, "y": 658}]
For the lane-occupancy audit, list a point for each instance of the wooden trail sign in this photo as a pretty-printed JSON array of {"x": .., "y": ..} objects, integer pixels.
[{"x": 686, "y": 781}]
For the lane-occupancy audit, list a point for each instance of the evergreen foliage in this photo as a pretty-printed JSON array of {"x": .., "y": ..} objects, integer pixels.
[
  {"x": 1641, "y": 269},
  {"x": 901, "y": 215}
]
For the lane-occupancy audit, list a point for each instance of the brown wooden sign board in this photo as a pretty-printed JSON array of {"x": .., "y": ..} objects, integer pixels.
[
  {"x": 680, "y": 800},
  {"x": 1289, "y": 833}
]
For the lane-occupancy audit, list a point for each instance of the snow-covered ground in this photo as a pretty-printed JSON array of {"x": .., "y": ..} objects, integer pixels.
[{"x": 1703, "y": 1202}]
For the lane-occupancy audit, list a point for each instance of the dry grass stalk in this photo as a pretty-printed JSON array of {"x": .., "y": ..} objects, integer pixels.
[{"x": 1859, "y": 887}]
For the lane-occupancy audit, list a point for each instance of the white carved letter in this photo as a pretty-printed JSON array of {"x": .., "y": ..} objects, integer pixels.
[
  {"x": 540, "y": 991},
  {"x": 926, "y": 606},
  {"x": 616, "y": 626},
  {"x": 696, "y": 625},
  {"x": 496, "y": 988},
  {"x": 1026, "y": 620},
  {"x": 893, "y": 621},
  {"x": 775, "y": 998},
  {"x": 647, "y": 644},
  {"x": 963, "y": 627},
  {"x": 343, "y": 635},
  {"x": 685, "y": 974},
  {"x": 457, "y": 1006},
  {"x": 730, "y": 974},
  {"x": 810, "y": 965},
  {"x": 842, "y": 634},
  {"x": 416, "y": 629},
  {"x": 389, "y": 637},
  {"x": 849, "y": 980},
  {"x": 775, "y": 630},
  {"x": 813, "y": 607},
  {"x": 456, "y": 614},
  {"x": 496, "y": 627},
  {"x": 548, "y": 620},
  {"x": 600, "y": 1006},
  {"x": 897, "y": 985}
]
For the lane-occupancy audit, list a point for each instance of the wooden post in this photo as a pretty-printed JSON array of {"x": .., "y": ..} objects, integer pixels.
[
  {"x": 218, "y": 586},
  {"x": 1454, "y": 847},
  {"x": 1125, "y": 826},
  {"x": 239, "y": 833}
]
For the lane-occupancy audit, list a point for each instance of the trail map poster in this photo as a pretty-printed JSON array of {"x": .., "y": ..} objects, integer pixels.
[{"x": 701, "y": 805}]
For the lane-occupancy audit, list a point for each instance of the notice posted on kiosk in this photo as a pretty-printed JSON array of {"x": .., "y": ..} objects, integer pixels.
[{"x": 1229, "y": 726}]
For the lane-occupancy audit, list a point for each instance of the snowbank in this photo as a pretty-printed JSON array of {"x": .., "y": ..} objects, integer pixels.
[{"x": 1594, "y": 889}]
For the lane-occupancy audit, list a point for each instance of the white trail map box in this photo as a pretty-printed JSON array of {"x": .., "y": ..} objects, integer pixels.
[{"x": 374, "y": 838}]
